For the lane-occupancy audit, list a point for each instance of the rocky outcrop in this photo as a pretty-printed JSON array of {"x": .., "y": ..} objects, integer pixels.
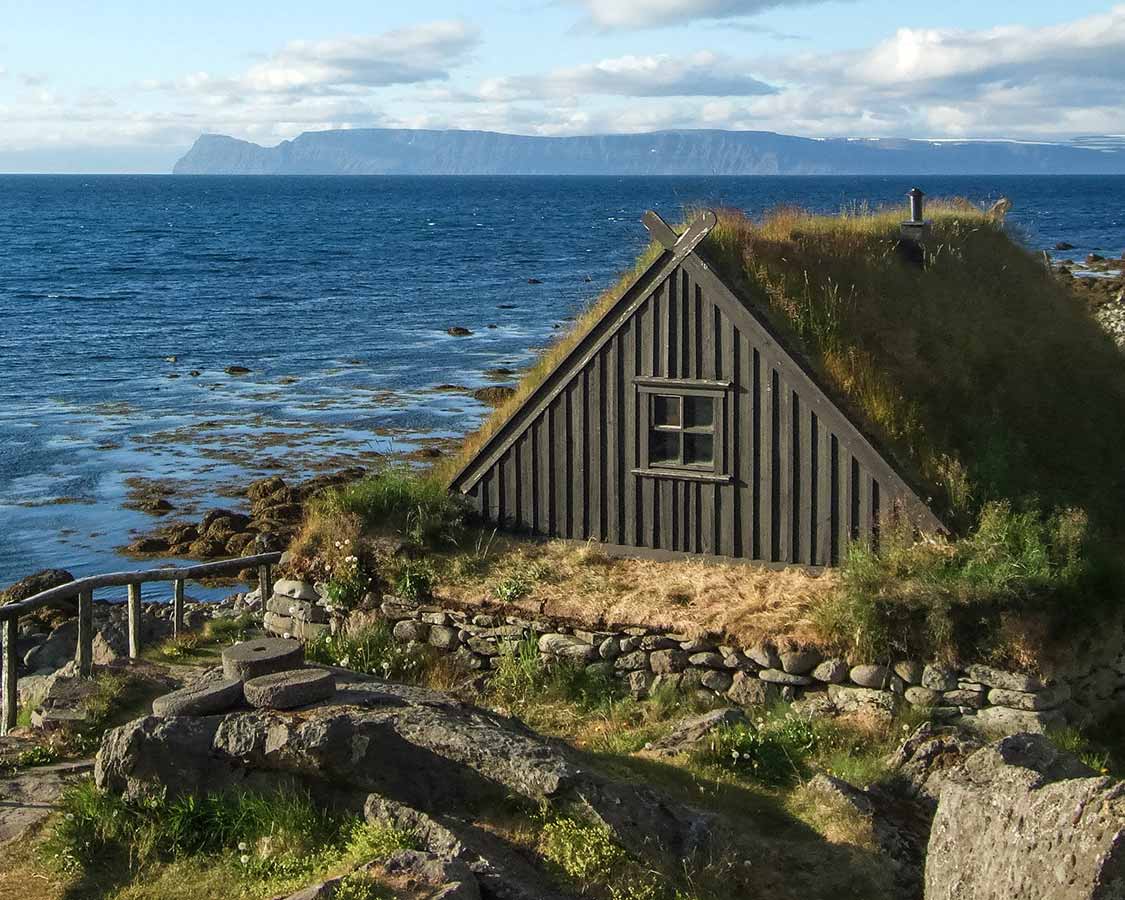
[
  {"x": 1021, "y": 819},
  {"x": 411, "y": 747}
]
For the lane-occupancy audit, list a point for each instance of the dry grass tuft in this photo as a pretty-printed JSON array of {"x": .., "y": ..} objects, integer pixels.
[{"x": 693, "y": 596}]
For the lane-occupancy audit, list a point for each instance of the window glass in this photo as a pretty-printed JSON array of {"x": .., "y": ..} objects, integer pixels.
[
  {"x": 699, "y": 449},
  {"x": 665, "y": 410},
  {"x": 664, "y": 447},
  {"x": 699, "y": 412}
]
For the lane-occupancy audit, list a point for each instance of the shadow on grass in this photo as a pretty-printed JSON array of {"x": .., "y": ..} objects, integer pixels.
[{"x": 766, "y": 850}]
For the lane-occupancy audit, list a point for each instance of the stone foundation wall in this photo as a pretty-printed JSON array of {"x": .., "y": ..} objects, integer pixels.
[{"x": 645, "y": 658}]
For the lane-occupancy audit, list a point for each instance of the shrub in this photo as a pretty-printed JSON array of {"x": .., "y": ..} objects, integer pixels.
[
  {"x": 773, "y": 750},
  {"x": 269, "y": 830},
  {"x": 38, "y": 755},
  {"x": 970, "y": 597},
  {"x": 348, "y": 583},
  {"x": 519, "y": 581},
  {"x": 523, "y": 676},
  {"x": 372, "y": 650},
  {"x": 415, "y": 580},
  {"x": 589, "y": 857},
  {"x": 416, "y": 506}
]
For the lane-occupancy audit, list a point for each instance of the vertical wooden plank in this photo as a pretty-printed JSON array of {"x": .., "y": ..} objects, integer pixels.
[
  {"x": 493, "y": 478},
  {"x": 803, "y": 531},
  {"x": 565, "y": 445},
  {"x": 746, "y": 447},
  {"x": 823, "y": 495},
  {"x": 178, "y": 608},
  {"x": 690, "y": 326},
  {"x": 728, "y": 543},
  {"x": 612, "y": 481},
  {"x": 863, "y": 502},
  {"x": 686, "y": 516},
  {"x": 876, "y": 514},
  {"x": 84, "y": 652},
  {"x": 526, "y": 477},
  {"x": 784, "y": 486},
  {"x": 671, "y": 318},
  {"x": 650, "y": 322},
  {"x": 265, "y": 584},
  {"x": 767, "y": 474},
  {"x": 133, "y": 618},
  {"x": 631, "y": 484},
  {"x": 9, "y": 694},
  {"x": 666, "y": 538},
  {"x": 543, "y": 445},
  {"x": 595, "y": 458},
  {"x": 843, "y": 501},
  {"x": 581, "y": 458}
]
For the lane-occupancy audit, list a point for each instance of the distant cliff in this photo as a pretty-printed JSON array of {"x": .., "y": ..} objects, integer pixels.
[{"x": 388, "y": 151}]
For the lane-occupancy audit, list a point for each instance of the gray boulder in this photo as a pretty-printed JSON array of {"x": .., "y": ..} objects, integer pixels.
[
  {"x": 1021, "y": 819},
  {"x": 689, "y": 733},
  {"x": 451, "y": 877},
  {"x": 288, "y": 690},
  {"x": 201, "y": 699},
  {"x": 262, "y": 656}
]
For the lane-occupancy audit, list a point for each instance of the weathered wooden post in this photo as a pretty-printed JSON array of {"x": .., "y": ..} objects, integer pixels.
[
  {"x": 265, "y": 583},
  {"x": 134, "y": 617},
  {"x": 8, "y": 714},
  {"x": 84, "y": 654},
  {"x": 177, "y": 607}
]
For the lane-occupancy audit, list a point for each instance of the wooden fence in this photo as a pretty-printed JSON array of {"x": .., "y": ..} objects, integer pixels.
[{"x": 83, "y": 589}]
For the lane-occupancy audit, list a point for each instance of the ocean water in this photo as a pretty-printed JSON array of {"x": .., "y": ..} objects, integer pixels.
[{"x": 336, "y": 293}]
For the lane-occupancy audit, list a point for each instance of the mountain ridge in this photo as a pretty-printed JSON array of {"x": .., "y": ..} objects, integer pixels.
[{"x": 401, "y": 151}]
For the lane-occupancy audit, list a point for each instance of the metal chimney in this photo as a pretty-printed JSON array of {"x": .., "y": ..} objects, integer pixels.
[
  {"x": 914, "y": 229},
  {"x": 916, "y": 196}
]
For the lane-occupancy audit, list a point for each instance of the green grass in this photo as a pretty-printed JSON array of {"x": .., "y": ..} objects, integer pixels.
[
  {"x": 398, "y": 498},
  {"x": 1017, "y": 581},
  {"x": 522, "y": 678},
  {"x": 372, "y": 651},
  {"x": 253, "y": 843}
]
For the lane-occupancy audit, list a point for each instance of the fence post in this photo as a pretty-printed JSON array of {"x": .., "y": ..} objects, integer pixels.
[
  {"x": 8, "y": 715},
  {"x": 265, "y": 583},
  {"x": 134, "y": 617},
  {"x": 84, "y": 654},
  {"x": 177, "y": 607}
]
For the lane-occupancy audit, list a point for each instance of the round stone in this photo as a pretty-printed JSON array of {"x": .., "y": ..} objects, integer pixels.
[
  {"x": 199, "y": 700},
  {"x": 286, "y": 690},
  {"x": 262, "y": 657}
]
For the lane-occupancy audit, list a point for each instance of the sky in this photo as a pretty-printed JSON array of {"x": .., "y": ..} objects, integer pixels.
[{"x": 118, "y": 86}]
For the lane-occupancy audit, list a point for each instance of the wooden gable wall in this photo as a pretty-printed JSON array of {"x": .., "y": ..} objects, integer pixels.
[{"x": 795, "y": 481}]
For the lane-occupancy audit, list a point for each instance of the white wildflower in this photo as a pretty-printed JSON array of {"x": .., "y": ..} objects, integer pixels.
[
  {"x": 243, "y": 846},
  {"x": 244, "y": 859}
]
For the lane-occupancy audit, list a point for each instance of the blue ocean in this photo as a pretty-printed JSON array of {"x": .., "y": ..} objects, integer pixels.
[{"x": 124, "y": 300}]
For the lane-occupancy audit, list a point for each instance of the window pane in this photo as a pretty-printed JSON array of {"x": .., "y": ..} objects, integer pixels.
[
  {"x": 664, "y": 447},
  {"x": 665, "y": 410},
  {"x": 699, "y": 412},
  {"x": 698, "y": 449}
]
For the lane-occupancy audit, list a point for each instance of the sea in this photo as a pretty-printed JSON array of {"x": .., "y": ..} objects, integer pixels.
[{"x": 125, "y": 299}]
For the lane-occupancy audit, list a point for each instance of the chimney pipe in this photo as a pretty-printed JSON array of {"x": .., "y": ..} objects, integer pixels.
[
  {"x": 916, "y": 196},
  {"x": 914, "y": 229}
]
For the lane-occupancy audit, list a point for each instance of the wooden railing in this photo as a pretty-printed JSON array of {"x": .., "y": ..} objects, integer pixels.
[{"x": 83, "y": 589}]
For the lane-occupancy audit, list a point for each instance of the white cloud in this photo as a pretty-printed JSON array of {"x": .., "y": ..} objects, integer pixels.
[
  {"x": 702, "y": 74},
  {"x": 630, "y": 14}
]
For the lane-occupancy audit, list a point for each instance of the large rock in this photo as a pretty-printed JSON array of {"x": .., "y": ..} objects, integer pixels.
[
  {"x": 199, "y": 699},
  {"x": 1021, "y": 819},
  {"x": 1001, "y": 720},
  {"x": 689, "y": 733},
  {"x": 56, "y": 651},
  {"x": 288, "y": 690},
  {"x": 37, "y": 583},
  {"x": 296, "y": 590},
  {"x": 262, "y": 656},
  {"x": 416, "y": 747},
  {"x": 998, "y": 678},
  {"x": 453, "y": 879},
  {"x": 567, "y": 647}
]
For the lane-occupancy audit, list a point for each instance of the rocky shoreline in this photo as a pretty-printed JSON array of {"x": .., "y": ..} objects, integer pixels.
[{"x": 1099, "y": 282}]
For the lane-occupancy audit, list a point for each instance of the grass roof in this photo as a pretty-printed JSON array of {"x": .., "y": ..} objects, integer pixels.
[{"x": 978, "y": 373}]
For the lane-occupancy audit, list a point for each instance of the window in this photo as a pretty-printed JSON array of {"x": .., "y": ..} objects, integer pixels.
[
  {"x": 681, "y": 425},
  {"x": 682, "y": 431}
]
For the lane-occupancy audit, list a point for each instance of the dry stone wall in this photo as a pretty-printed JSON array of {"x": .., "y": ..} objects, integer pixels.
[{"x": 646, "y": 659}]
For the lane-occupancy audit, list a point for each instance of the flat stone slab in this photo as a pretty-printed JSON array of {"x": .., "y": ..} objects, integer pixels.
[
  {"x": 286, "y": 690},
  {"x": 263, "y": 656},
  {"x": 200, "y": 700},
  {"x": 31, "y": 795}
]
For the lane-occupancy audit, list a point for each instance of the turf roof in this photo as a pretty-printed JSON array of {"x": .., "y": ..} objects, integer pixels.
[{"x": 979, "y": 373}]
